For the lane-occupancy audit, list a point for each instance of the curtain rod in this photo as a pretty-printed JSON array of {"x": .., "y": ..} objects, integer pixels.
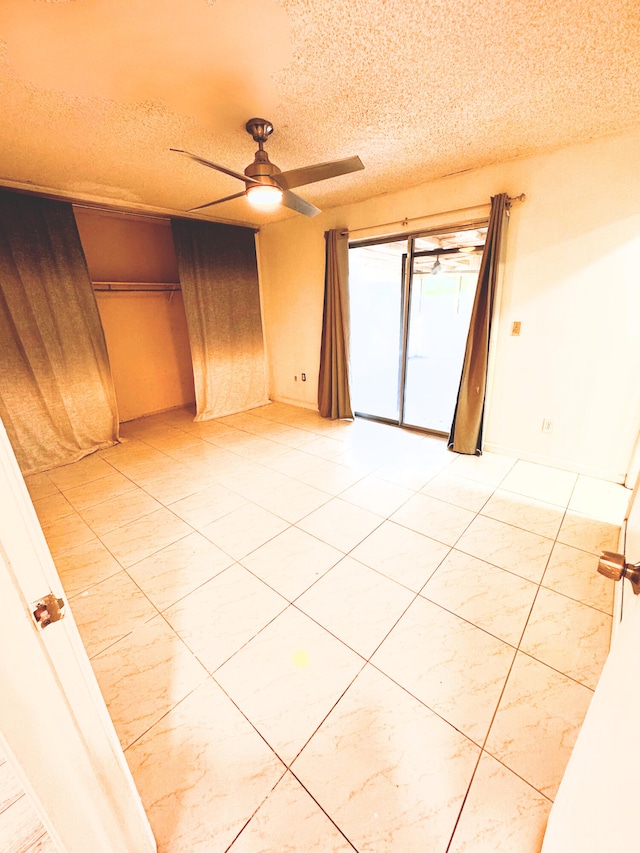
[{"x": 404, "y": 222}]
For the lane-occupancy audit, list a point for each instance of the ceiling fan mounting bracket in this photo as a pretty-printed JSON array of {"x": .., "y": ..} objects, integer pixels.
[{"x": 260, "y": 129}]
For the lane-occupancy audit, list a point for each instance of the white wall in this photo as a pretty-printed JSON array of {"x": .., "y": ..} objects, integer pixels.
[{"x": 572, "y": 277}]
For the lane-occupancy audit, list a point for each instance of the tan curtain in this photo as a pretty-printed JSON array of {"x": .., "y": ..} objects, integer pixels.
[
  {"x": 334, "y": 399},
  {"x": 219, "y": 279},
  {"x": 56, "y": 393},
  {"x": 466, "y": 429}
]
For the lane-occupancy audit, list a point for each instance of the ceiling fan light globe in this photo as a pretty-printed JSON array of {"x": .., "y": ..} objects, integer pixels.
[{"x": 264, "y": 196}]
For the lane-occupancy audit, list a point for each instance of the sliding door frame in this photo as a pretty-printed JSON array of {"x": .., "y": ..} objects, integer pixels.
[
  {"x": 405, "y": 297},
  {"x": 407, "y": 277}
]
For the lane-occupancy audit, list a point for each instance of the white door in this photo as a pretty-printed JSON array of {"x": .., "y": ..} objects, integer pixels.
[
  {"x": 595, "y": 810},
  {"x": 53, "y": 721}
]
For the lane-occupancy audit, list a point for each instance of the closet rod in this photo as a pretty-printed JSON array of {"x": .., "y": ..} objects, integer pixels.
[
  {"x": 136, "y": 286},
  {"x": 404, "y": 222}
]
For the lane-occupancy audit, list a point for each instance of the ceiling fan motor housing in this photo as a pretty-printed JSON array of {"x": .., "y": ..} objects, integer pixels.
[{"x": 263, "y": 170}]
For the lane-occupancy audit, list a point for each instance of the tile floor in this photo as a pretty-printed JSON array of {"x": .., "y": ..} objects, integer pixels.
[{"x": 325, "y": 636}]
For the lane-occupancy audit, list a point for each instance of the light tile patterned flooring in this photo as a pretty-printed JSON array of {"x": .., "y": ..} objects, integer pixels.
[{"x": 325, "y": 636}]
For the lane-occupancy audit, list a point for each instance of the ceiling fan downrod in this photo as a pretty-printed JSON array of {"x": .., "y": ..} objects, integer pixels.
[{"x": 262, "y": 169}]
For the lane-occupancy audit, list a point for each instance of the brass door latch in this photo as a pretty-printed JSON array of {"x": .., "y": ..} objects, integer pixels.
[{"x": 47, "y": 610}]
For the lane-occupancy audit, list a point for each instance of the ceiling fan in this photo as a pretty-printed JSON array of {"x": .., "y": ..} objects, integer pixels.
[{"x": 265, "y": 184}]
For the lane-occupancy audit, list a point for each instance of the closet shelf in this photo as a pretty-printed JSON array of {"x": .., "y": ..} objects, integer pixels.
[{"x": 135, "y": 286}]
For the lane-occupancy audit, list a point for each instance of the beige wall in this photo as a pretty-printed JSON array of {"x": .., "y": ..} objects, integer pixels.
[
  {"x": 148, "y": 347},
  {"x": 571, "y": 278},
  {"x": 146, "y": 332},
  {"x": 124, "y": 247}
]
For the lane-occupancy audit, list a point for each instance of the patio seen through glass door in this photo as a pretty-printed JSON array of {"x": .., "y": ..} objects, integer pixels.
[{"x": 410, "y": 304}]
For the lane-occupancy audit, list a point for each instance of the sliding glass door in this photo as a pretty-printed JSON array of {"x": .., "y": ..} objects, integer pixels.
[
  {"x": 376, "y": 287},
  {"x": 411, "y": 303},
  {"x": 440, "y": 308}
]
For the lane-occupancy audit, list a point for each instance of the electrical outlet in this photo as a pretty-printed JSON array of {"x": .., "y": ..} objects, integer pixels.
[
  {"x": 547, "y": 425},
  {"x": 303, "y": 376},
  {"x": 515, "y": 327}
]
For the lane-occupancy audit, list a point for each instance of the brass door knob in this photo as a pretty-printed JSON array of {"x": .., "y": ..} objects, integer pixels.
[{"x": 615, "y": 567}]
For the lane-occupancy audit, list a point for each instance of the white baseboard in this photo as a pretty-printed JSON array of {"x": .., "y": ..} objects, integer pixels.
[
  {"x": 161, "y": 411},
  {"x": 600, "y": 473},
  {"x": 291, "y": 402}
]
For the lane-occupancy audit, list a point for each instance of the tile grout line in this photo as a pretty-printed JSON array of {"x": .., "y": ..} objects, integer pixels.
[
  {"x": 518, "y": 651},
  {"x": 497, "y": 705},
  {"x": 292, "y": 604}
]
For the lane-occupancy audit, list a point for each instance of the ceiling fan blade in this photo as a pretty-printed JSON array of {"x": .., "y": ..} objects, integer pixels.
[
  {"x": 294, "y": 202},
  {"x": 218, "y": 201},
  {"x": 319, "y": 172},
  {"x": 215, "y": 166}
]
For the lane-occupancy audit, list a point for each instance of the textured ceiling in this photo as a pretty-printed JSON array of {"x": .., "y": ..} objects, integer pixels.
[{"x": 93, "y": 93}]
